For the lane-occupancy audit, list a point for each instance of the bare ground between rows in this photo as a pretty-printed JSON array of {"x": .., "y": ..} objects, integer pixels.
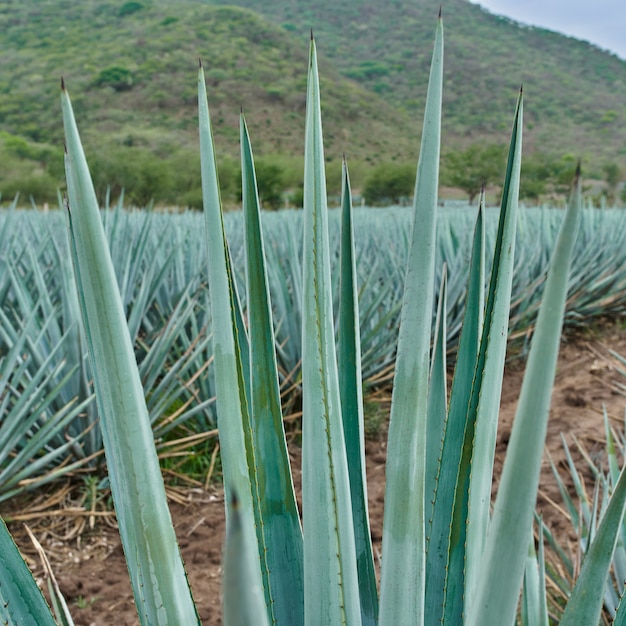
[{"x": 91, "y": 569}]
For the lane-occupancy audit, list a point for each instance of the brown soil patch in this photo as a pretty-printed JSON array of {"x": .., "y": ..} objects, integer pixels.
[{"x": 91, "y": 569}]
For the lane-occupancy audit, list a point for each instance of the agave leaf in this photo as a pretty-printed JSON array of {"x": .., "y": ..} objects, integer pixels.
[
  {"x": 450, "y": 456},
  {"x": 437, "y": 402},
  {"x": 502, "y": 566},
  {"x": 21, "y": 600},
  {"x": 543, "y": 595},
  {"x": 137, "y": 486},
  {"x": 351, "y": 388},
  {"x": 280, "y": 531},
  {"x": 585, "y": 602},
  {"x": 331, "y": 591},
  {"x": 534, "y": 610},
  {"x": 243, "y": 598},
  {"x": 403, "y": 566},
  {"x": 530, "y": 588},
  {"x": 470, "y": 514},
  {"x": 237, "y": 444},
  {"x": 610, "y": 449},
  {"x": 620, "y": 615}
]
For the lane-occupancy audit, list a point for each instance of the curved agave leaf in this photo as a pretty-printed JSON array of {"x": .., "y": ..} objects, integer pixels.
[{"x": 136, "y": 484}]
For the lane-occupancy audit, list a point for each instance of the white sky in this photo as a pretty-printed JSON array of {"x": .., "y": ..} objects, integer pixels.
[{"x": 601, "y": 22}]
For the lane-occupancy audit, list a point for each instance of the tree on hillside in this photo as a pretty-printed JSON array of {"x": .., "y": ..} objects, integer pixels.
[
  {"x": 269, "y": 178},
  {"x": 612, "y": 177},
  {"x": 389, "y": 183},
  {"x": 469, "y": 169}
]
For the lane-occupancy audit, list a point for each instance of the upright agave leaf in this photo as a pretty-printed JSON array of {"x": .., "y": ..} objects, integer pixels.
[
  {"x": 403, "y": 566},
  {"x": 232, "y": 387},
  {"x": 162, "y": 594},
  {"x": 450, "y": 456},
  {"x": 350, "y": 381},
  {"x": 331, "y": 592},
  {"x": 280, "y": 530},
  {"x": 502, "y": 564},
  {"x": 472, "y": 498}
]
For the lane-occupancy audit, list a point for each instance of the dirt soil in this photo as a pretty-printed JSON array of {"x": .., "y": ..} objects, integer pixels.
[{"x": 90, "y": 565}]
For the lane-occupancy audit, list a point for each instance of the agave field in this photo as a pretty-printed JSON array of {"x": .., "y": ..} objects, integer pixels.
[
  {"x": 161, "y": 272},
  {"x": 131, "y": 334}
]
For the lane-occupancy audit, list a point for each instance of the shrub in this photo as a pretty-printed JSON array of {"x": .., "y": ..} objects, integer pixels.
[{"x": 389, "y": 183}]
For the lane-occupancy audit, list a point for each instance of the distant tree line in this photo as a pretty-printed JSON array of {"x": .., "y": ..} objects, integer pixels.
[
  {"x": 544, "y": 177},
  {"x": 172, "y": 177}
]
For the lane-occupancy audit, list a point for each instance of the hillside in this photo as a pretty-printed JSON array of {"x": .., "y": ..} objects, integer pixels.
[
  {"x": 575, "y": 92},
  {"x": 131, "y": 69}
]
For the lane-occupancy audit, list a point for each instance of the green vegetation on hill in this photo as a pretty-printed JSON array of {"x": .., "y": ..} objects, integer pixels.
[
  {"x": 575, "y": 92},
  {"x": 130, "y": 67}
]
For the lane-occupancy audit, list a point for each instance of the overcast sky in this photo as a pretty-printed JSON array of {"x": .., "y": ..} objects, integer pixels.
[{"x": 601, "y": 22}]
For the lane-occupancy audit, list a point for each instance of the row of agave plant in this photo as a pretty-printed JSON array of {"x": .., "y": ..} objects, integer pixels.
[
  {"x": 447, "y": 556},
  {"x": 45, "y": 376}
]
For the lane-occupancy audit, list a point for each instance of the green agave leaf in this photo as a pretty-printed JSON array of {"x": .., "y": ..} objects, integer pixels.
[
  {"x": 243, "y": 598},
  {"x": 229, "y": 343},
  {"x": 280, "y": 534},
  {"x": 620, "y": 615},
  {"x": 137, "y": 486},
  {"x": 530, "y": 588},
  {"x": 351, "y": 389},
  {"x": 21, "y": 600},
  {"x": 502, "y": 566},
  {"x": 451, "y": 447},
  {"x": 403, "y": 567},
  {"x": 437, "y": 403},
  {"x": 331, "y": 591},
  {"x": 470, "y": 513},
  {"x": 585, "y": 602},
  {"x": 610, "y": 448},
  {"x": 534, "y": 605},
  {"x": 543, "y": 595}
]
